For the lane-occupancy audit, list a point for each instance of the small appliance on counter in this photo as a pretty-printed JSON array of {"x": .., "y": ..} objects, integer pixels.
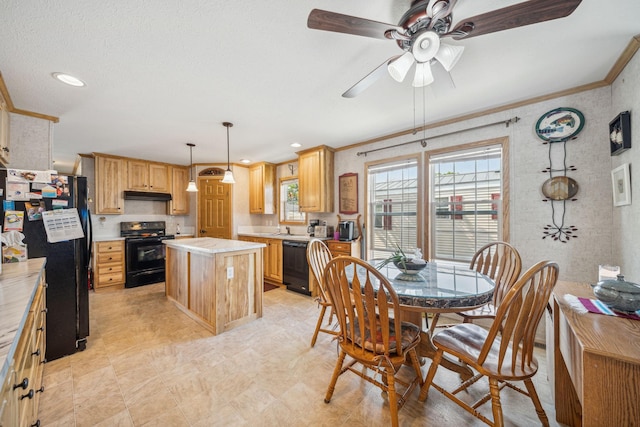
[
  {"x": 323, "y": 231},
  {"x": 311, "y": 229},
  {"x": 345, "y": 229}
]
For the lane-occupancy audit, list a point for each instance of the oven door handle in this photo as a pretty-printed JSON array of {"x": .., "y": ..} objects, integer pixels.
[{"x": 143, "y": 239}]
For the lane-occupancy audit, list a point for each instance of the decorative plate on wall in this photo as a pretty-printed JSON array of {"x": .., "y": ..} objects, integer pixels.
[
  {"x": 560, "y": 124},
  {"x": 560, "y": 188}
]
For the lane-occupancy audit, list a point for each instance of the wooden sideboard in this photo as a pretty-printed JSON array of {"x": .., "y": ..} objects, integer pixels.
[{"x": 596, "y": 369}]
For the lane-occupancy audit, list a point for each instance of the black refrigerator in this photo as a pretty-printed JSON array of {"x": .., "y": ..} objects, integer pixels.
[{"x": 67, "y": 269}]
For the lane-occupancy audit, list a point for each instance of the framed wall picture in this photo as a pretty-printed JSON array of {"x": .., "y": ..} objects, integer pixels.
[
  {"x": 620, "y": 133},
  {"x": 621, "y": 185},
  {"x": 348, "y": 193}
]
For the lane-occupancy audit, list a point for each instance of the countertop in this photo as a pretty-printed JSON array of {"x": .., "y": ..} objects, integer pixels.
[
  {"x": 209, "y": 245},
  {"x": 106, "y": 238},
  {"x": 281, "y": 236},
  {"x": 17, "y": 289}
]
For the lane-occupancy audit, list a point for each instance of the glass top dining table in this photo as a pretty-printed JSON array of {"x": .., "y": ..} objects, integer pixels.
[{"x": 439, "y": 287}]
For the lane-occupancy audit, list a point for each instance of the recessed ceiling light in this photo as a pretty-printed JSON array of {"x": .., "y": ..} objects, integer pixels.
[
  {"x": 245, "y": 161},
  {"x": 296, "y": 145},
  {"x": 68, "y": 79}
]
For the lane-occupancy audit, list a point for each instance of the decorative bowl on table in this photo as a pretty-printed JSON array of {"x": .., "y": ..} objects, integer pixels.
[
  {"x": 618, "y": 294},
  {"x": 409, "y": 267}
]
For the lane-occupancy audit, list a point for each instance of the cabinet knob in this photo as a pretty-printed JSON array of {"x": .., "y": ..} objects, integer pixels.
[
  {"x": 5, "y": 149},
  {"x": 28, "y": 395},
  {"x": 44, "y": 310},
  {"x": 36, "y": 424},
  {"x": 41, "y": 328},
  {"x": 40, "y": 390},
  {"x": 24, "y": 384},
  {"x": 36, "y": 353}
]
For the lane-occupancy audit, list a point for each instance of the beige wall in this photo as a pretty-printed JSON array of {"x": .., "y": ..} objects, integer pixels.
[{"x": 625, "y": 227}]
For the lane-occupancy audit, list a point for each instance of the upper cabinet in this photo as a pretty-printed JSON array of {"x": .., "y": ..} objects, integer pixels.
[
  {"x": 179, "y": 204},
  {"x": 315, "y": 176},
  {"x": 4, "y": 132},
  {"x": 148, "y": 176},
  {"x": 262, "y": 185},
  {"x": 109, "y": 172}
]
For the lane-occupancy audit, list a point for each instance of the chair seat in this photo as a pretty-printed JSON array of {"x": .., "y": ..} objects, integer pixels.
[
  {"x": 465, "y": 341},
  {"x": 409, "y": 334}
]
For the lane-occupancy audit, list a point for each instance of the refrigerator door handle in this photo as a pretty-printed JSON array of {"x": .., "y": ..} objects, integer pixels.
[{"x": 90, "y": 238}]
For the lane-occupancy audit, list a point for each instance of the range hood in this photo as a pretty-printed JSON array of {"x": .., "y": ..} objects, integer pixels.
[{"x": 147, "y": 195}]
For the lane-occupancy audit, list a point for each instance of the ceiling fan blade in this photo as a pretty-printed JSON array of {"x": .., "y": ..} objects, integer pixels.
[
  {"x": 369, "y": 79},
  {"x": 518, "y": 15},
  {"x": 339, "y": 23}
]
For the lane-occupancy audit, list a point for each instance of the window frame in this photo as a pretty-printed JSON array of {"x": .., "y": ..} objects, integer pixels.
[
  {"x": 505, "y": 171},
  {"x": 370, "y": 217},
  {"x": 281, "y": 182}
]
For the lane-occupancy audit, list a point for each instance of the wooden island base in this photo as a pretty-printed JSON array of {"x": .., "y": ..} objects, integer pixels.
[{"x": 216, "y": 282}]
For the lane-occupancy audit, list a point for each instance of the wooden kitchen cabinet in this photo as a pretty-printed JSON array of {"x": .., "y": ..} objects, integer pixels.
[
  {"x": 108, "y": 175},
  {"x": 148, "y": 176},
  {"x": 272, "y": 257},
  {"x": 179, "y": 204},
  {"x": 262, "y": 188},
  {"x": 108, "y": 265},
  {"x": 22, "y": 386},
  {"x": 315, "y": 177},
  {"x": 338, "y": 247},
  {"x": 4, "y": 132}
]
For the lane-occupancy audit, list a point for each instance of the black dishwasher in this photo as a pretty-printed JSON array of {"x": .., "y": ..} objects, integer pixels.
[{"x": 295, "y": 269}]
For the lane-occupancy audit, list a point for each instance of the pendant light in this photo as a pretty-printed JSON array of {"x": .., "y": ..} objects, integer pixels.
[
  {"x": 228, "y": 175},
  {"x": 192, "y": 187}
]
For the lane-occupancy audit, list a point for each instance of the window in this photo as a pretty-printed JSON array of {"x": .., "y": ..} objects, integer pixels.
[
  {"x": 466, "y": 188},
  {"x": 393, "y": 201},
  {"x": 289, "y": 212}
]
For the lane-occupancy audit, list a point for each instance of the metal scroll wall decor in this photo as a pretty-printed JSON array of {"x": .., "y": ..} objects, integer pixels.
[{"x": 555, "y": 128}]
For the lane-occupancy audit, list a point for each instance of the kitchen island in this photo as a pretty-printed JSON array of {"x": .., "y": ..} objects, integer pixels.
[{"x": 217, "y": 282}]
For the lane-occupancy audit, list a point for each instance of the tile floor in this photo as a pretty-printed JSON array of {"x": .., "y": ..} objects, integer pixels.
[{"x": 148, "y": 364}]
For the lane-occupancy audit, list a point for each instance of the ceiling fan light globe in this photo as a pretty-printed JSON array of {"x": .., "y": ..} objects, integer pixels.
[
  {"x": 399, "y": 68},
  {"x": 448, "y": 55},
  {"x": 426, "y": 46},
  {"x": 423, "y": 76}
]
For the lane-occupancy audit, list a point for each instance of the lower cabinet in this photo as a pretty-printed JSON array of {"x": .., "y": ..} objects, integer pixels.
[
  {"x": 108, "y": 264},
  {"x": 20, "y": 393},
  {"x": 272, "y": 256},
  {"x": 338, "y": 247}
]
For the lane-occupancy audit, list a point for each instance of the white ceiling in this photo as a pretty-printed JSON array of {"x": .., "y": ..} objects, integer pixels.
[{"x": 162, "y": 73}]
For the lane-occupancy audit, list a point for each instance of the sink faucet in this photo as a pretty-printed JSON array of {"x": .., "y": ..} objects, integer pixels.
[{"x": 288, "y": 230}]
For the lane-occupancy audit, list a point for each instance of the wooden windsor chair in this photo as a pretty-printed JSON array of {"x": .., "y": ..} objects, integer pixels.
[
  {"x": 503, "y": 353},
  {"x": 370, "y": 335}
]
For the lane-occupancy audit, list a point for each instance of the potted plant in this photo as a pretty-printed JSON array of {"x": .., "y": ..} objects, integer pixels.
[{"x": 408, "y": 264}]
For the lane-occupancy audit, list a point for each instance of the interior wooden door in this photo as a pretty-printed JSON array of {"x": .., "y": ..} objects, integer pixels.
[{"x": 214, "y": 208}]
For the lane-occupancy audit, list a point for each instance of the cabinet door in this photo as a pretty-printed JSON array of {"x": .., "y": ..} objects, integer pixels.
[
  {"x": 315, "y": 176},
  {"x": 275, "y": 259},
  {"x": 262, "y": 188},
  {"x": 137, "y": 175},
  {"x": 179, "y": 204},
  {"x": 256, "y": 194},
  {"x": 109, "y": 198},
  {"x": 309, "y": 179},
  {"x": 159, "y": 178},
  {"x": 4, "y": 133}
]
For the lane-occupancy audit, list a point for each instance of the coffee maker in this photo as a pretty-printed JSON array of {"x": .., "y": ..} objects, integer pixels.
[
  {"x": 346, "y": 230},
  {"x": 312, "y": 226}
]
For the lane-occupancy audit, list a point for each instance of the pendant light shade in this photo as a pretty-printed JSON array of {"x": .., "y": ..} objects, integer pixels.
[
  {"x": 192, "y": 187},
  {"x": 228, "y": 175}
]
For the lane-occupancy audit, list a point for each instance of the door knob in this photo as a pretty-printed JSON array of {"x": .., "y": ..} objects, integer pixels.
[{"x": 203, "y": 231}]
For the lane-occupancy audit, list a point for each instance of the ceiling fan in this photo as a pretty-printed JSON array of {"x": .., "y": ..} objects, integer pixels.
[{"x": 422, "y": 27}]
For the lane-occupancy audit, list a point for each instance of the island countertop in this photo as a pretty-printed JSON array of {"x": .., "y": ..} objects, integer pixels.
[
  {"x": 210, "y": 245},
  {"x": 17, "y": 288}
]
